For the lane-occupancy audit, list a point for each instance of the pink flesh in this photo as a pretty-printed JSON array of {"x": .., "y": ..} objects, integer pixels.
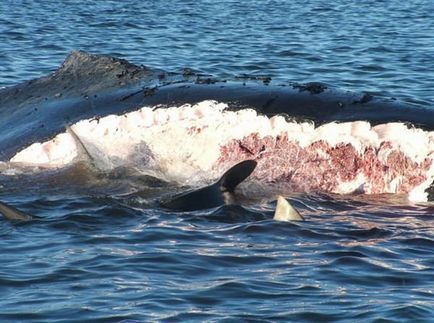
[{"x": 321, "y": 167}]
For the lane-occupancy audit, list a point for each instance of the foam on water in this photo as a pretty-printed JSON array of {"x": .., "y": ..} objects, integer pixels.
[{"x": 193, "y": 143}]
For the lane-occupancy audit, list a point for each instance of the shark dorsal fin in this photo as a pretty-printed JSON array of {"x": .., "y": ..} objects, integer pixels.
[
  {"x": 11, "y": 213},
  {"x": 83, "y": 152},
  {"x": 214, "y": 195},
  {"x": 234, "y": 176},
  {"x": 285, "y": 211}
]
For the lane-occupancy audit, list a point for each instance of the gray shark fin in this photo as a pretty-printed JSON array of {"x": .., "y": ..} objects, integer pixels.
[
  {"x": 81, "y": 148},
  {"x": 11, "y": 213},
  {"x": 88, "y": 153},
  {"x": 285, "y": 211}
]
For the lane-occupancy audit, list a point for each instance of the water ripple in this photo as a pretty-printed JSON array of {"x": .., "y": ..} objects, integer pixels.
[
  {"x": 387, "y": 51},
  {"x": 89, "y": 257}
]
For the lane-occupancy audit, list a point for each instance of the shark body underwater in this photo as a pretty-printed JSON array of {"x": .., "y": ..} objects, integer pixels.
[
  {"x": 189, "y": 129},
  {"x": 220, "y": 193}
]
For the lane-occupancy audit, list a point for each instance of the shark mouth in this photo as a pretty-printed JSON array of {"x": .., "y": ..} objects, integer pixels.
[{"x": 193, "y": 143}]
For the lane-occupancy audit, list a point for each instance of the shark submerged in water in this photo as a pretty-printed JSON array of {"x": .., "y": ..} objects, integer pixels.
[
  {"x": 218, "y": 194},
  {"x": 303, "y": 137}
]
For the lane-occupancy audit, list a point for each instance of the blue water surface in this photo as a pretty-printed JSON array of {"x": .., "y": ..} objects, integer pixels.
[
  {"x": 379, "y": 46},
  {"x": 96, "y": 257}
]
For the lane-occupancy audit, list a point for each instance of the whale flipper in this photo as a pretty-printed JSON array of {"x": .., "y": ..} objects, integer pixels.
[
  {"x": 285, "y": 211},
  {"x": 11, "y": 213},
  {"x": 217, "y": 194}
]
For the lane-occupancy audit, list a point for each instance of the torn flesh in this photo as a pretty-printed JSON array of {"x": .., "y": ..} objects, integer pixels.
[{"x": 192, "y": 144}]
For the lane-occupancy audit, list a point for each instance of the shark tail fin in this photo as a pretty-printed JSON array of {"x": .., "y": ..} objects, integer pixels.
[
  {"x": 11, "y": 213},
  {"x": 234, "y": 176}
]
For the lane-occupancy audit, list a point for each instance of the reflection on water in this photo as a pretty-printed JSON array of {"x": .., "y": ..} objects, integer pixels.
[
  {"x": 93, "y": 253},
  {"x": 386, "y": 50},
  {"x": 103, "y": 250}
]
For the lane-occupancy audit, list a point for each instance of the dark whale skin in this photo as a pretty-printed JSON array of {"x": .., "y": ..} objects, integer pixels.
[{"x": 92, "y": 86}]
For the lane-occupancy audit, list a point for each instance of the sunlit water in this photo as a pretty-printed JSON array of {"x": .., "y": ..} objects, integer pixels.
[{"x": 98, "y": 253}]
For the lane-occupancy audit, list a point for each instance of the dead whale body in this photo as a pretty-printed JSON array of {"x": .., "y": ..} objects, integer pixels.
[{"x": 189, "y": 129}]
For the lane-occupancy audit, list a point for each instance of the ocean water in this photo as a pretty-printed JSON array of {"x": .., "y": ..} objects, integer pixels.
[{"x": 99, "y": 254}]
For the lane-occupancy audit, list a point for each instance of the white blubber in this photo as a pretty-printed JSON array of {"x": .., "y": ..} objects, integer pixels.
[{"x": 186, "y": 143}]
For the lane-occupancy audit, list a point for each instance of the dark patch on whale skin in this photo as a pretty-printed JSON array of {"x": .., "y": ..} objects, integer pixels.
[
  {"x": 89, "y": 86},
  {"x": 268, "y": 103},
  {"x": 186, "y": 71},
  {"x": 266, "y": 80},
  {"x": 217, "y": 194},
  {"x": 207, "y": 80},
  {"x": 364, "y": 99},
  {"x": 312, "y": 87}
]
